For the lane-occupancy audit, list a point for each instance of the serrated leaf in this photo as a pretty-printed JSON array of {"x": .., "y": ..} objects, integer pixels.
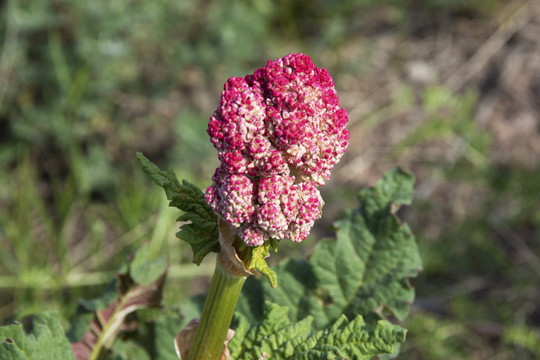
[
  {"x": 200, "y": 230},
  {"x": 366, "y": 268},
  {"x": 374, "y": 256},
  {"x": 277, "y": 338},
  {"x": 42, "y": 339},
  {"x": 103, "y": 321}
]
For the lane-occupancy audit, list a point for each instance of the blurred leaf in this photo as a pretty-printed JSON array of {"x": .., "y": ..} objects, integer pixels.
[
  {"x": 524, "y": 336},
  {"x": 40, "y": 337},
  {"x": 110, "y": 312},
  {"x": 109, "y": 296},
  {"x": 191, "y": 308},
  {"x": 449, "y": 116},
  {"x": 127, "y": 350},
  {"x": 165, "y": 332},
  {"x": 144, "y": 270}
]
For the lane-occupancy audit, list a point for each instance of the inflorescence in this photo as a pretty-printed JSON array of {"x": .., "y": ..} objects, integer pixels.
[{"x": 278, "y": 134}]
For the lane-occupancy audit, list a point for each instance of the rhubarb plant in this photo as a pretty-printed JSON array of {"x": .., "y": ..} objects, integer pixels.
[{"x": 278, "y": 133}]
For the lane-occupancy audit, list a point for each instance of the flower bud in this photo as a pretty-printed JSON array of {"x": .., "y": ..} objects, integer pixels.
[{"x": 278, "y": 133}]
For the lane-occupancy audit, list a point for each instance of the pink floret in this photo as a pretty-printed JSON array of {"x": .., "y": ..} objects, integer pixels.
[{"x": 278, "y": 134}]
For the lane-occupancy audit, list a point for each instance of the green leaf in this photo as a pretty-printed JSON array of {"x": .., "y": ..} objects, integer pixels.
[
  {"x": 144, "y": 270},
  {"x": 365, "y": 270},
  {"x": 374, "y": 256},
  {"x": 166, "y": 329},
  {"x": 277, "y": 338},
  {"x": 109, "y": 295},
  {"x": 127, "y": 350},
  {"x": 362, "y": 272},
  {"x": 200, "y": 229},
  {"x": 297, "y": 291},
  {"x": 41, "y": 338},
  {"x": 99, "y": 321},
  {"x": 258, "y": 254}
]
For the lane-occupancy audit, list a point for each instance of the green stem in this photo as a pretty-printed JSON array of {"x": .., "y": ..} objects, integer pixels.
[
  {"x": 216, "y": 316},
  {"x": 108, "y": 334}
]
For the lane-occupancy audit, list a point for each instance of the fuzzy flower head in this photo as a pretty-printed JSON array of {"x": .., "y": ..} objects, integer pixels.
[{"x": 278, "y": 134}]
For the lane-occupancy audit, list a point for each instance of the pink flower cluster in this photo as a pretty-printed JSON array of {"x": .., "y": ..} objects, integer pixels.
[{"x": 278, "y": 134}]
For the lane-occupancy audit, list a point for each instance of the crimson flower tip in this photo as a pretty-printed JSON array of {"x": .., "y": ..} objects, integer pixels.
[{"x": 278, "y": 133}]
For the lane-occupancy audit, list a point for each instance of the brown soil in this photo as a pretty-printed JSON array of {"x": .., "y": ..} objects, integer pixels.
[{"x": 498, "y": 57}]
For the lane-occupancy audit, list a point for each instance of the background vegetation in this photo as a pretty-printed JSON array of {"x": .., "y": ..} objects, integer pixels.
[{"x": 449, "y": 89}]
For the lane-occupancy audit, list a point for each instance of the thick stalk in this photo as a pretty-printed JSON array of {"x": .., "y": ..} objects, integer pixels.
[{"x": 216, "y": 316}]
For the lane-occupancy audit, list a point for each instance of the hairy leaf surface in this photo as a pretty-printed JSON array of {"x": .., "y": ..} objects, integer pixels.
[
  {"x": 277, "y": 338},
  {"x": 365, "y": 270}
]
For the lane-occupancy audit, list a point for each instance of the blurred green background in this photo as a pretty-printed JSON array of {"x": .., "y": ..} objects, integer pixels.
[{"x": 448, "y": 89}]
